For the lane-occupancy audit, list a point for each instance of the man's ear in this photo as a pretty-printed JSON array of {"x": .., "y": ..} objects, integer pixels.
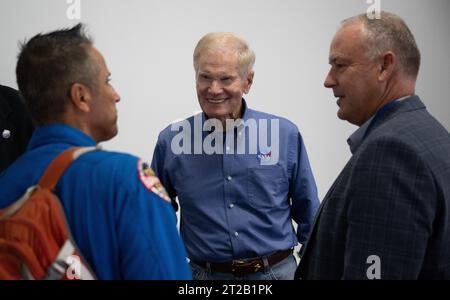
[
  {"x": 80, "y": 96},
  {"x": 387, "y": 65},
  {"x": 249, "y": 81}
]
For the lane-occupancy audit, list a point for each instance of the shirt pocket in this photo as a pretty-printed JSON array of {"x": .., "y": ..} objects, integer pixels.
[{"x": 267, "y": 186}]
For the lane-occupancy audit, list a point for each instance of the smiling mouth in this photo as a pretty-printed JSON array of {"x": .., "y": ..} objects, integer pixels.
[{"x": 216, "y": 101}]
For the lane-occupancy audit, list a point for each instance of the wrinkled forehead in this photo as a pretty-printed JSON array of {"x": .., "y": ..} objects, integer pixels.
[
  {"x": 224, "y": 58},
  {"x": 219, "y": 54}
]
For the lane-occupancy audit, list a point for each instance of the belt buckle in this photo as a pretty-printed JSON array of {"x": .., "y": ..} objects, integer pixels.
[
  {"x": 257, "y": 267},
  {"x": 239, "y": 263}
]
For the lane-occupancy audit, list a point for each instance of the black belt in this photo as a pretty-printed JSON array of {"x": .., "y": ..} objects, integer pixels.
[{"x": 244, "y": 267}]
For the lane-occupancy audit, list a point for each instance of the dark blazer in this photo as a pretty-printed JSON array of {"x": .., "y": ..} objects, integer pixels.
[
  {"x": 391, "y": 200},
  {"x": 16, "y": 126}
]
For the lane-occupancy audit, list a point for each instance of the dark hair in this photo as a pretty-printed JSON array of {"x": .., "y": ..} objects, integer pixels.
[{"x": 48, "y": 65}]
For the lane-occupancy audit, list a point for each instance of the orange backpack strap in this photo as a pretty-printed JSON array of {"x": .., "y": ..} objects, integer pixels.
[{"x": 57, "y": 167}]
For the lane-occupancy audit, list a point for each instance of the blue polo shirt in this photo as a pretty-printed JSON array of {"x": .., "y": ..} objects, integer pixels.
[
  {"x": 124, "y": 230},
  {"x": 239, "y": 205}
]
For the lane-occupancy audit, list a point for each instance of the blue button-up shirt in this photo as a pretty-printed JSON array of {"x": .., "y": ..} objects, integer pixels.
[
  {"x": 236, "y": 205},
  {"x": 123, "y": 229}
]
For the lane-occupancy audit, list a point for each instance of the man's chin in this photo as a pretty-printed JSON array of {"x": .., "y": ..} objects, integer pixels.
[
  {"x": 348, "y": 119},
  {"x": 344, "y": 117},
  {"x": 341, "y": 115},
  {"x": 216, "y": 115},
  {"x": 112, "y": 134},
  {"x": 115, "y": 131}
]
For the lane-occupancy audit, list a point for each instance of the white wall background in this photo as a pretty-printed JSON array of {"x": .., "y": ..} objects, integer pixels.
[{"x": 148, "y": 47}]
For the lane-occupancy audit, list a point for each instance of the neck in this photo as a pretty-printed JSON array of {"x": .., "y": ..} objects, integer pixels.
[
  {"x": 396, "y": 89},
  {"x": 78, "y": 123}
]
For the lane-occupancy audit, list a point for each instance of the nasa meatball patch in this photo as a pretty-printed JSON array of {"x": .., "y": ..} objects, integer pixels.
[{"x": 150, "y": 181}]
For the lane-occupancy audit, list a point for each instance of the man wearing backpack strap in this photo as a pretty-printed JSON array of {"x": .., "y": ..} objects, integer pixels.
[{"x": 117, "y": 210}]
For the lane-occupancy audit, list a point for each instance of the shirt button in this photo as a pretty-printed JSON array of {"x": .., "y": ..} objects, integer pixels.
[
  {"x": 6, "y": 134},
  {"x": 236, "y": 234},
  {"x": 231, "y": 205},
  {"x": 229, "y": 178},
  {"x": 228, "y": 148}
]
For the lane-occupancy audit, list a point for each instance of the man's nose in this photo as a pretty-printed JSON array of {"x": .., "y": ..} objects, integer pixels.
[
  {"x": 116, "y": 95},
  {"x": 215, "y": 87},
  {"x": 329, "y": 81}
]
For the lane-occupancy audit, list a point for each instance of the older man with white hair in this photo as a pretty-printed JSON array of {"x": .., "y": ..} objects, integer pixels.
[{"x": 241, "y": 176}]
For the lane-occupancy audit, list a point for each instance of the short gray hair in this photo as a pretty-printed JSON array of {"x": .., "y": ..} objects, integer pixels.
[
  {"x": 389, "y": 33},
  {"x": 219, "y": 41}
]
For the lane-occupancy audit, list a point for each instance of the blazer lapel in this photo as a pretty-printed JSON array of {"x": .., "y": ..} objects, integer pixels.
[{"x": 409, "y": 104}]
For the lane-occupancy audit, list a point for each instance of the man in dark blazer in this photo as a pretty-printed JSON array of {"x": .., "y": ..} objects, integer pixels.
[
  {"x": 16, "y": 126},
  {"x": 387, "y": 215}
]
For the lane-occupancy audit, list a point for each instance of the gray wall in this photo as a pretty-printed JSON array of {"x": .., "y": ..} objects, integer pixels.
[{"x": 148, "y": 46}]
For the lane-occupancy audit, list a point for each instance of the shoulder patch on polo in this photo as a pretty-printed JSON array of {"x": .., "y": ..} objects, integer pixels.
[{"x": 150, "y": 181}]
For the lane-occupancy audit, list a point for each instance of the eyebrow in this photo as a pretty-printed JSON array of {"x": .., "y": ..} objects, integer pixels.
[
  {"x": 216, "y": 75},
  {"x": 335, "y": 58}
]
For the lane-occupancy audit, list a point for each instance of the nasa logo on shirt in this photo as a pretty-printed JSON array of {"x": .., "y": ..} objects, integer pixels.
[
  {"x": 265, "y": 157},
  {"x": 150, "y": 181}
]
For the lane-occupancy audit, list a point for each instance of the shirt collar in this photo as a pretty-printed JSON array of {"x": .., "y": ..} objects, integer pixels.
[
  {"x": 60, "y": 134},
  {"x": 356, "y": 139}
]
